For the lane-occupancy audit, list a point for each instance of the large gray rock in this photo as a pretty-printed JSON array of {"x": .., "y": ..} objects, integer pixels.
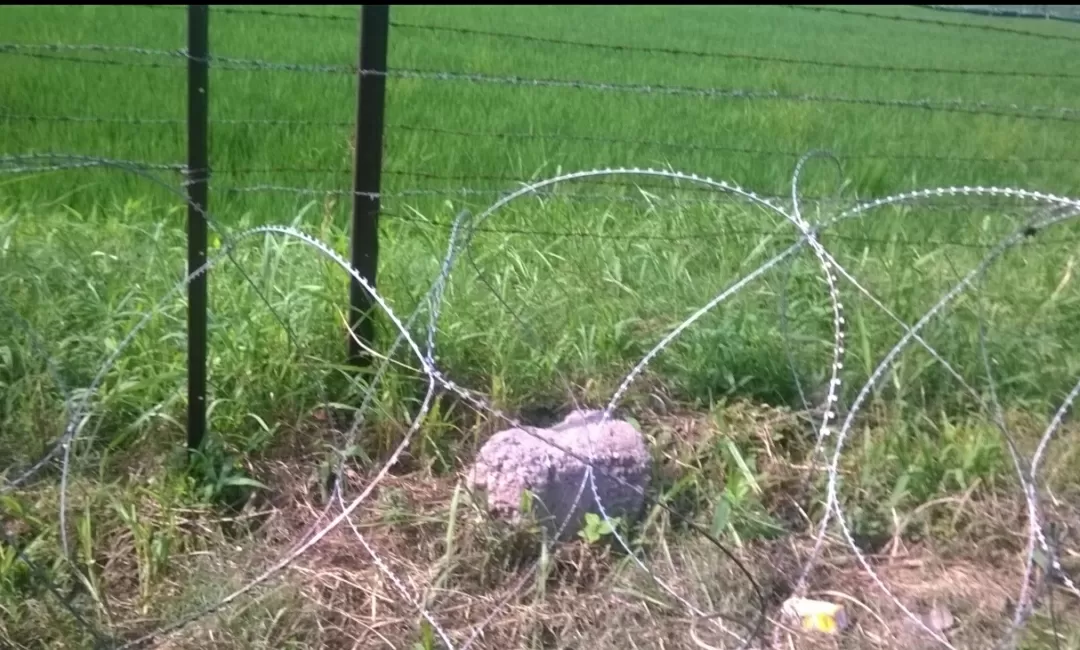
[{"x": 514, "y": 460}]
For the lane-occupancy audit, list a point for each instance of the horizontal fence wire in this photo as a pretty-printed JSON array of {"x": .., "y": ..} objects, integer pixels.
[
  {"x": 264, "y": 13},
  {"x": 542, "y": 136},
  {"x": 336, "y": 18},
  {"x": 31, "y": 49},
  {"x": 72, "y": 162},
  {"x": 645, "y": 190},
  {"x": 697, "y": 146},
  {"x": 780, "y": 60},
  {"x": 50, "y": 50},
  {"x": 928, "y": 104}
]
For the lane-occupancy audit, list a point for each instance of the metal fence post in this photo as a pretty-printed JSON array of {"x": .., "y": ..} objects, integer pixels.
[
  {"x": 370, "y": 104},
  {"x": 197, "y": 177}
]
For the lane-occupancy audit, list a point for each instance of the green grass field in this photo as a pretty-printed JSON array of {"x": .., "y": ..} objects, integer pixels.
[{"x": 557, "y": 298}]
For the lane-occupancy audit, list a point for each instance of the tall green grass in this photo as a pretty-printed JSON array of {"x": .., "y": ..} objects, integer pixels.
[
  {"x": 718, "y": 128},
  {"x": 531, "y": 310},
  {"x": 556, "y": 296}
]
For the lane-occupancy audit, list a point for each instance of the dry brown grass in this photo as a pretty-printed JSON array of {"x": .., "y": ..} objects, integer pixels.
[{"x": 470, "y": 571}]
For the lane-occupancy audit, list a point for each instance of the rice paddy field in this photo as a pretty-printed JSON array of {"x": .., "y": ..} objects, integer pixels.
[{"x": 551, "y": 302}]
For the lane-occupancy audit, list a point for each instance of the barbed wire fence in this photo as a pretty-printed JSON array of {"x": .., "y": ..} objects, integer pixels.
[{"x": 747, "y": 630}]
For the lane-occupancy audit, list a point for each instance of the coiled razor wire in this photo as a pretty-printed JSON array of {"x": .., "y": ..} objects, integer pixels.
[{"x": 79, "y": 410}]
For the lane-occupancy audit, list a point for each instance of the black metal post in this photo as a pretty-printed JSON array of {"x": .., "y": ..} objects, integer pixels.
[
  {"x": 371, "y": 93},
  {"x": 197, "y": 177}
]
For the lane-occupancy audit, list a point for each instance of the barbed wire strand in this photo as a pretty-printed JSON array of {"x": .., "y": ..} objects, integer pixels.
[
  {"x": 676, "y": 51},
  {"x": 87, "y": 162},
  {"x": 929, "y": 104},
  {"x": 51, "y": 52},
  {"x": 230, "y": 11},
  {"x": 964, "y": 106},
  {"x": 337, "y": 18},
  {"x": 558, "y": 136},
  {"x": 760, "y": 58}
]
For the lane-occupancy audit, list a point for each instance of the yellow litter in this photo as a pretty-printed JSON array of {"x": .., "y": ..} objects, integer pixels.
[{"x": 817, "y": 615}]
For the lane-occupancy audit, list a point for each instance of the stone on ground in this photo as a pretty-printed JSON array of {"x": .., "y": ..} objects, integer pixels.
[{"x": 515, "y": 460}]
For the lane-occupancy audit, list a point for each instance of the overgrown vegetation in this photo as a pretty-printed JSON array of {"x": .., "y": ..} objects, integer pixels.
[{"x": 555, "y": 300}]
